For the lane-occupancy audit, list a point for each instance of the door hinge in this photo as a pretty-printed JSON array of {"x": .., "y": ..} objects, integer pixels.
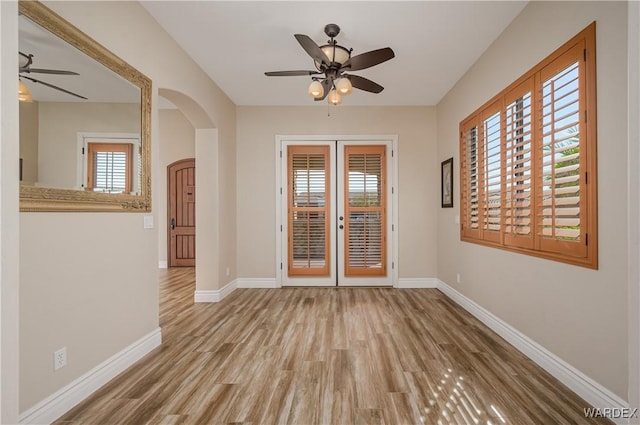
[
  {"x": 586, "y": 239},
  {"x": 280, "y": 154},
  {"x": 392, "y": 153},
  {"x": 584, "y": 53},
  {"x": 393, "y": 227},
  {"x": 280, "y": 266},
  {"x": 586, "y": 178},
  {"x": 281, "y": 227},
  {"x": 393, "y": 265},
  {"x": 392, "y": 190},
  {"x": 280, "y": 191},
  {"x": 82, "y": 151}
]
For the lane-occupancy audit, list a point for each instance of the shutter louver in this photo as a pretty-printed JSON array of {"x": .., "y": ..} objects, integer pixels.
[{"x": 308, "y": 171}]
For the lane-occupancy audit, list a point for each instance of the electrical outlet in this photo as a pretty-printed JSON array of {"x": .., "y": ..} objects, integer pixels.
[
  {"x": 458, "y": 278},
  {"x": 60, "y": 358}
]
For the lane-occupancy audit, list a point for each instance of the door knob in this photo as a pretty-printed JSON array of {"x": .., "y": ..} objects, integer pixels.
[
  {"x": 173, "y": 223},
  {"x": 341, "y": 227}
]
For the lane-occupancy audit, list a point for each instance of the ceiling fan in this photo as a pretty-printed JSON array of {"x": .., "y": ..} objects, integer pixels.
[
  {"x": 24, "y": 67},
  {"x": 334, "y": 61}
]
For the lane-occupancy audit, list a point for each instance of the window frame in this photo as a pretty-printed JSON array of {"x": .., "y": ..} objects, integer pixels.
[
  {"x": 582, "y": 252},
  {"x": 86, "y": 138}
]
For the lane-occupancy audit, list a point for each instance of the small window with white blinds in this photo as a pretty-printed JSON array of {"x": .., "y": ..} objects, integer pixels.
[
  {"x": 531, "y": 182},
  {"x": 109, "y": 167}
]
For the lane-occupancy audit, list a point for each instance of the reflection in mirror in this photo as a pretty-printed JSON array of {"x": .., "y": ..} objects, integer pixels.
[{"x": 84, "y": 120}]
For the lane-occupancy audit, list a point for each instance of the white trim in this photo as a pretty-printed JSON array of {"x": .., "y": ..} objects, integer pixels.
[
  {"x": 587, "y": 388},
  {"x": 60, "y": 402},
  {"x": 252, "y": 282},
  {"x": 417, "y": 283},
  {"x": 215, "y": 295},
  {"x": 163, "y": 264}
]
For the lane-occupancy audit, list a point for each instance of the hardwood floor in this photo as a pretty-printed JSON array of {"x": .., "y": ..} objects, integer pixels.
[{"x": 327, "y": 356}]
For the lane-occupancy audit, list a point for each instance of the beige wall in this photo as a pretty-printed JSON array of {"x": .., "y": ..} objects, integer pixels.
[
  {"x": 9, "y": 218},
  {"x": 98, "y": 301},
  {"x": 578, "y": 314},
  {"x": 59, "y": 125},
  {"x": 29, "y": 141},
  {"x": 176, "y": 141},
  {"x": 418, "y": 185}
]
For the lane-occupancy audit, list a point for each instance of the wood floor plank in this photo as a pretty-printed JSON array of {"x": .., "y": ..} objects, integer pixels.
[{"x": 327, "y": 356}]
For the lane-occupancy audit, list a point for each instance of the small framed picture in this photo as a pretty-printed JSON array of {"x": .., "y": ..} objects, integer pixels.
[{"x": 446, "y": 174}]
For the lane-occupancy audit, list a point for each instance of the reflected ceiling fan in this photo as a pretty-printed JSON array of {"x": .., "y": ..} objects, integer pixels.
[
  {"x": 24, "y": 67},
  {"x": 334, "y": 61}
]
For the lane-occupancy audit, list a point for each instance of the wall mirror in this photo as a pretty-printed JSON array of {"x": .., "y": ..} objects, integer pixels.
[{"x": 84, "y": 120}]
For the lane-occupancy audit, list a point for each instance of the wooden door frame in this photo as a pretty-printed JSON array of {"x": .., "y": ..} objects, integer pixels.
[
  {"x": 281, "y": 246},
  {"x": 169, "y": 205}
]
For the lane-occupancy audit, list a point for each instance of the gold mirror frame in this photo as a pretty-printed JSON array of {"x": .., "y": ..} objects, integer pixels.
[{"x": 50, "y": 199}]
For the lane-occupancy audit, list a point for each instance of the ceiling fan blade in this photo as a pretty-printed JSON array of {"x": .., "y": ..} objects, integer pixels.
[
  {"x": 52, "y": 86},
  {"x": 364, "y": 84},
  {"x": 312, "y": 49},
  {"x": 290, "y": 73},
  {"x": 326, "y": 84},
  {"x": 369, "y": 59},
  {"x": 48, "y": 71}
]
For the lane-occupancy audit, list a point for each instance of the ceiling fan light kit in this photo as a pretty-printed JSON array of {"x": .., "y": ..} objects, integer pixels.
[
  {"x": 333, "y": 61},
  {"x": 334, "y": 98},
  {"x": 343, "y": 86},
  {"x": 24, "y": 95},
  {"x": 315, "y": 89}
]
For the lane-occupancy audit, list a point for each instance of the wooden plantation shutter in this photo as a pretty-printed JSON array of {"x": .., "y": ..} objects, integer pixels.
[
  {"x": 491, "y": 175},
  {"x": 469, "y": 168},
  {"x": 308, "y": 210},
  {"x": 560, "y": 201},
  {"x": 518, "y": 163},
  {"x": 109, "y": 167},
  {"x": 528, "y": 161},
  {"x": 365, "y": 218}
]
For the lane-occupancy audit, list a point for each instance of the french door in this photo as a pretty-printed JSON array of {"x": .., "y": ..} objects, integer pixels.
[{"x": 337, "y": 213}]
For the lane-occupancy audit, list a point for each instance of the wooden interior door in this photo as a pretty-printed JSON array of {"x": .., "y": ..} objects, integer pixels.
[{"x": 181, "y": 213}]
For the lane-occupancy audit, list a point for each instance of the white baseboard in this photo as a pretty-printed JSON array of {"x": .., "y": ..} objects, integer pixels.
[
  {"x": 163, "y": 264},
  {"x": 587, "y": 388},
  {"x": 250, "y": 282},
  {"x": 215, "y": 295},
  {"x": 417, "y": 283},
  {"x": 60, "y": 402}
]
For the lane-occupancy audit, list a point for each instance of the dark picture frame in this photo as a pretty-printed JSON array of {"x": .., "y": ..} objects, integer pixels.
[{"x": 446, "y": 182}]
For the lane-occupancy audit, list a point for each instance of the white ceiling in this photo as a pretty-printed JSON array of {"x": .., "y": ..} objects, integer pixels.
[
  {"x": 235, "y": 42},
  {"x": 95, "y": 82}
]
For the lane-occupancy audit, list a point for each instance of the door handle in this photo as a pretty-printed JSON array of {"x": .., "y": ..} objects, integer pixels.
[{"x": 173, "y": 223}]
